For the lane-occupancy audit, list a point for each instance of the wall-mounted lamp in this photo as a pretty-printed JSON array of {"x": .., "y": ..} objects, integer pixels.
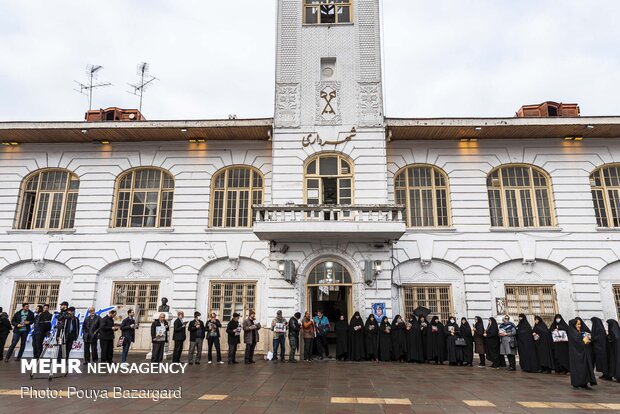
[
  {"x": 469, "y": 139},
  {"x": 183, "y": 129},
  {"x": 197, "y": 141},
  {"x": 573, "y": 138},
  {"x": 478, "y": 128},
  {"x": 101, "y": 142},
  {"x": 287, "y": 269},
  {"x": 84, "y": 131},
  {"x": 9, "y": 143},
  {"x": 590, "y": 126}
]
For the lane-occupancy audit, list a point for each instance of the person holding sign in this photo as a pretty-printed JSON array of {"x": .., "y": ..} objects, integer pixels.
[
  {"x": 159, "y": 336},
  {"x": 278, "y": 325},
  {"x": 233, "y": 329}
]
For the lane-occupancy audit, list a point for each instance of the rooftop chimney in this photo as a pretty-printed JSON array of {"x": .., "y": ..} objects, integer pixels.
[
  {"x": 548, "y": 110},
  {"x": 114, "y": 114}
]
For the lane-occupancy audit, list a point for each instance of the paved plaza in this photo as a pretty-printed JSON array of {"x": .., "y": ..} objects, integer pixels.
[{"x": 319, "y": 387}]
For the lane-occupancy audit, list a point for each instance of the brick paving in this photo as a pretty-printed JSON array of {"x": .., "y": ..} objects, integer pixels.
[{"x": 274, "y": 388}]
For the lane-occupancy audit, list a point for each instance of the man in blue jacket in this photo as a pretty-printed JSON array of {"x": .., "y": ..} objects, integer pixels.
[
  {"x": 322, "y": 326},
  {"x": 22, "y": 320}
]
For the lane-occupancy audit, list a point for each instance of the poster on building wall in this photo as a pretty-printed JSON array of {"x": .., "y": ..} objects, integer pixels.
[
  {"x": 378, "y": 310},
  {"x": 500, "y": 306}
]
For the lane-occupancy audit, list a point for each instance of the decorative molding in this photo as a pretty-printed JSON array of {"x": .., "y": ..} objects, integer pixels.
[
  {"x": 328, "y": 103},
  {"x": 39, "y": 271},
  {"x": 528, "y": 264},
  {"x": 425, "y": 264},
  {"x": 369, "y": 105},
  {"x": 138, "y": 270},
  {"x": 288, "y": 105}
]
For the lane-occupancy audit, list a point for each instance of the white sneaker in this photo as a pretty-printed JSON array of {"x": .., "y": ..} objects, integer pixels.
[
  {"x": 209, "y": 362},
  {"x": 221, "y": 362}
]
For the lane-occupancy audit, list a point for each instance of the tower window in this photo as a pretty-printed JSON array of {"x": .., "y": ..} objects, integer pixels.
[{"x": 327, "y": 11}]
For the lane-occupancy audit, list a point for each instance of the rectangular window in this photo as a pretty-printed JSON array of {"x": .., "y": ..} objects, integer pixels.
[
  {"x": 226, "y": 298},
  {"x": 437, "y": 298},
  {"x": 327, "y": 11},
  {"x": 532, "y": 300},
  {"x": 617, "y": 299},
  {"x": 142, "y": 295},
  {"x": 35, "y": 293}
]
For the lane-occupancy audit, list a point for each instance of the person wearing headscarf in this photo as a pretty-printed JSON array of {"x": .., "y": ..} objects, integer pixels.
[
  {"x": 385, "y": 340},
  {"x": 559, "y": 333},
  {"x": 543, "y": 345},
  {"x": 508, "y": 344},
  {"x": 5, "y": 330},
  {"x": 371, "y": 338},
  {"x": 599, "y": 346},
  {"x": 356, "y": 338},
  {"x": 492, "y": 343},
  {"x": 579, "y": 342},
  {"x": 399, "y": 339},
  {"x": 342, "y": 338},
  {"x": 414, "y": 340},
  {"x": 613, "y": 346},
  {"x": 436, "y": 344},
  {"x": 424, "y": 331},
  {"x": 454, "y": 353},
  {"x": 468, "y": 350},
  {"x": 525, "y": 345},
  {"x": 479, "y": 342}
]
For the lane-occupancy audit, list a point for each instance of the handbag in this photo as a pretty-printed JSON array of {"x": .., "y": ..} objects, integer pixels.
[
  {"x": 460, "y": 342},
  {"x": 512, "y": 343}
]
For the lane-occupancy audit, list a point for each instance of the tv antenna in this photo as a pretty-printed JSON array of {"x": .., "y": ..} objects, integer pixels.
[
  {"x": 145, "y": 81},
  {"x": 92, "y": 71}
]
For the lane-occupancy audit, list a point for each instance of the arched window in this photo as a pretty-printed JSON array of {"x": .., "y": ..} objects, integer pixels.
[
  {"x": 235, "y": 190},
  {"x": 48, "y": 200},
  {"x": 423, "y": 189},
  {"x": 520, "y": 196},
  {"x": 605, "y": 183},
  {"x": 144, "y": 198},
  {"x": 329, "y": 180},
  {"x": 329, "y": 273}
]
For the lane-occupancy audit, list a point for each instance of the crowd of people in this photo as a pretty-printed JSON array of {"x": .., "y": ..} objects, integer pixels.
[{"x": 561, "y": 347}]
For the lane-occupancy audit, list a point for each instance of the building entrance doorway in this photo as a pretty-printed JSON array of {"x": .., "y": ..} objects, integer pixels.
[{"x": 329, "y": 289}]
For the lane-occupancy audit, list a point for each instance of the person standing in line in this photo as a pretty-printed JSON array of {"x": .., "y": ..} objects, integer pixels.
[
  {"x": 22, "y": 320},
  {"x": 508, "y": 342},
  {"x": 436, "y": 342},
  {"x": 559, "y": 335},
  {"x": 528, "y": 359},
  {"x": 309, "y": 333},
  {"x": 492, "y": 343},
  {"x": 399, "y": 339},
  {"x": 90, "y": 329},
  {"x": 5, "y": 330},
  {"x": 197, "y": 333},
  {"x": 213, "y": 338},
  {"x": 385, "y": 340},
  {"x": 342, "y": 339},
  {"x": 233, "y": 329},
  {"x": 356, "y": 340},
  {"x": 479, "y": 342},
  {"x": 543, "y": 345},
  {"x": 599, "y": 348},
  {"x": 71, "y": 330},
  {"x": 454, "y": 353},
  {"x": 37, "y": 334},
  {"x": 128, "y": 333},
  {"x": 278, "y": 325},
  {"x": 106, "y": 336},
  {"x": 468, "y": 349},
  {"x": 580, "y": 354},
  {"x": 613, "y": 338},
  {"x": 424, "y": 328},
  {"x": 294, "y": 327},
  {"x": 322, "y": 327},
  {"x": 371, "y": 339},
  {"x": 159, "y": 337},
  {"x": 250, "y": 336},
  {"x": 178, "y": 336}
]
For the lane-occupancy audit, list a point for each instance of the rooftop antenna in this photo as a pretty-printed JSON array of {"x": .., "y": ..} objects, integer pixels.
[
  {"x": 145, "y": 80},
  {"x": 92, "y": 71}
]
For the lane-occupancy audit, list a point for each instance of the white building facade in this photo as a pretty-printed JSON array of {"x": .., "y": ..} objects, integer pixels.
[{"x": 328, "y": 205}]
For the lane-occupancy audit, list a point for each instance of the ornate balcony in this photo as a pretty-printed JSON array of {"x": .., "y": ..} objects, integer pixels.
[{"x": 296, "y": 222}]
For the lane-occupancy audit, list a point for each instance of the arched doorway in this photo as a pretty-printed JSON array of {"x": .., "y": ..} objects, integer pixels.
[{"x": 329, "y": 287}]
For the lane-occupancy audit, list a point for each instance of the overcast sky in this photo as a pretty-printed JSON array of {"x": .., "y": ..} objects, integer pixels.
[{"x": 214, "y": 58}]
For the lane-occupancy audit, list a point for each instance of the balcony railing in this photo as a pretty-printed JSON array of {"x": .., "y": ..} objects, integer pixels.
[{"x": 375, "y": 213}]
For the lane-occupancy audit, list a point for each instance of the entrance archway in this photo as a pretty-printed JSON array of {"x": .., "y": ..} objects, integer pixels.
[{"x": 329, "y": 289}]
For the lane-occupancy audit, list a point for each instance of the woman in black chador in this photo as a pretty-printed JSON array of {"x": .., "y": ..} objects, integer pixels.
[
  {"x": 371, "y": 338},
  {"x": 435, "y": 342},
  {"x": 492, "y": 342},
  {"x": 385, "y": 340},
  {"x": 399, "y": 339},
  {"x": 414, "y": 341},
  {"x": 599, "y": 346},
  {"x": 560, "y": 346},
  {"x": 614, "y": 348},
  {"x": 525, "y": 346},
  {"x": 342, "y": 338},
  {"x": 543, "y": 344},
  {"x": 424, "y": 325},
  {"x": 479, "y": 341},
  {"x": 454, "y": 354},
  {"x": 580, "y": 357},
  {"x": 468, "y": 349},
  {"x": 356, "y": 338}
]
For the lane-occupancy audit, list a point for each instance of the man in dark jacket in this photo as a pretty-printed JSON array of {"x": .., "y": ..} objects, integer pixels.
[
  {"x": 234, "y": 332},
  {"x": 5, "y": 330},
  {"x": 90, "y": 330},
  {"x": 70, "y": 329},
  {"x": 250, "y": 336},
  {"x": 128, "y": 333},
  {"x": 197, "y": 333},
  {"x": 106, "y": 336},
  {"x": 293, "y": 336},
  {"x": 178, "y": 336},
  {"x": 22, "y": 320},
  {"x": 42, "y": 327}
]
